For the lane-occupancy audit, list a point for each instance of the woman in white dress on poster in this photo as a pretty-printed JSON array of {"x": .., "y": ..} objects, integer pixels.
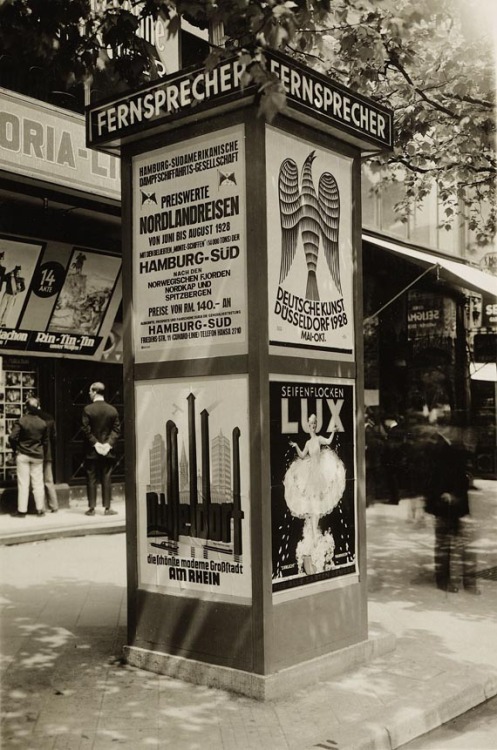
[{"x": 314, "y": 484}]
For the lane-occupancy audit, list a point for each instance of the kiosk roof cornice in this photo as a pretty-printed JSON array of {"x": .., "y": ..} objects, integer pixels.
[{"x": 194, "y": 94}]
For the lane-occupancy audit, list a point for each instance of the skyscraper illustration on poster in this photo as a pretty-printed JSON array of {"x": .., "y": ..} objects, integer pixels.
[{"x": 192, "y": 486}]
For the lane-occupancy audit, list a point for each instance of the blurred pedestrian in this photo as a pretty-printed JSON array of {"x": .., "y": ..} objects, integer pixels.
[
  {"x": 101, "y": 427},
  {"x": 393, "y": 457},
  {"x": 29, "y": 441},
  {"x": 447, "y": 500},
  {"x": 375, "y": 440},
  {"x": 48, "y": 480}
]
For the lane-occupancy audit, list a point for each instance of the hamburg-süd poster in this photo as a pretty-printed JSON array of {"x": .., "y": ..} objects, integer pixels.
[
  {"x": 310, "y": 258},
  {"x": 192, "y": 462},
  {"x": 189, "y": 249},
  {"x": 313, "y": 487}
]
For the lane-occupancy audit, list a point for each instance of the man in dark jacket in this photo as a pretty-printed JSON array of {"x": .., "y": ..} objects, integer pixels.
[
  {"x": 29, "y": 440},
  {"x": 101, "y": 427},
  {"x": 51, "y": 492},
  {"x": 447, "y": 499}
]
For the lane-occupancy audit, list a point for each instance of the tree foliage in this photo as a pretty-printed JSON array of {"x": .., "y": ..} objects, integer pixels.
[{"x": 415, "y": 57}]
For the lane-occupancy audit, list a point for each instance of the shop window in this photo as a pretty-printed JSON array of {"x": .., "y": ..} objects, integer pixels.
[
  {"x": 390, "y": 220},
  {"x": 16, "y": 385},
  {"x": 474, "y": 249},
  {"x": 483, "y": 408},
  {"x": 423, "y": 221},
  {"x": 369, "y": 200},
  {"x": 448, "y": 239},
  {"x": 76, "y": 379},
  {"x": 427, "y": 223}
]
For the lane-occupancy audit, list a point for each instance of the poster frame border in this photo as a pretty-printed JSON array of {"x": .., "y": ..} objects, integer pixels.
[
  {"x": 318, "y": 587},
  {"x": 188, "y": 593},
  {"x": 217, "y": 348}
]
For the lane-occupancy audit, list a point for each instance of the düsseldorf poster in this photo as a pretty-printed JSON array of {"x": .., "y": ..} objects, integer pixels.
[
  {"x": 310, "y": 259},
  {"x": 189, "y": 249},
  {"x": 313, "y": 488},
  {"x": 192, "y": 463}
]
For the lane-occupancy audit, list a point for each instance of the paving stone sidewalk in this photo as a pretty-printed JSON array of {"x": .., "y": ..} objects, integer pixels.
[{"x": 64, "y": 684}]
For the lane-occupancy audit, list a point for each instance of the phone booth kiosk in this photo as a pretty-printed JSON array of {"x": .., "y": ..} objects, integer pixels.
[{"x": 243, "y": 376}]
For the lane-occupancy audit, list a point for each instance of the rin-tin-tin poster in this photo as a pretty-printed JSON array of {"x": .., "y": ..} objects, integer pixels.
[
  {"x": 313, "y": 506},
  {"x": 192, "y": 459}
]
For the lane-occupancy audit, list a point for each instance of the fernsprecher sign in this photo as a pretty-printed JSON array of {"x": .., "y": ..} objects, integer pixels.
[{"x": 186, "y": 93}]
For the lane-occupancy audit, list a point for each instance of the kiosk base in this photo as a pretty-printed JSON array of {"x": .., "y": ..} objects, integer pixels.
[{"x": 263, "y": 687}]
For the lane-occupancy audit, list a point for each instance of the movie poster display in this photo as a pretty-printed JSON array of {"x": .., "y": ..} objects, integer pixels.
[
  {"x": 56, "y": 298},
  {"x": 189, "y": 249},
  {"x": 86, "y": 292},
  {"x": 192, "y": 464},
  {"x": 313, "y": 487},
  {"x": 309, "y": 221},
  {"x": 18, "y": 261}
]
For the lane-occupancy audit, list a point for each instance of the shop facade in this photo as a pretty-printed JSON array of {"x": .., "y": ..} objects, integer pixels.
[
  {"x": 60, "y": 265},
  {"x": 429, "y": 345}
]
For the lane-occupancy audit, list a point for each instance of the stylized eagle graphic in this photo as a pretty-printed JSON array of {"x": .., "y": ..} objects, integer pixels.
[{"x": 316, "y": 217}]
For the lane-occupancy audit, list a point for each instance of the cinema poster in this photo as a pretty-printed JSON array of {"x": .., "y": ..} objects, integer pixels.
[
  {"x": 310, "y": 258},
  {"x": 189, "y": 264},
  {"x": 192, "y": 444},
  {"x": 57, "y": 299},
  {"x": 18, "y": 261},
  {"x": 313, "y": 482}
]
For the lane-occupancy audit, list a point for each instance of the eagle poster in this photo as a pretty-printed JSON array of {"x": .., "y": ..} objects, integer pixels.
[{"x": 310, "y": 258}]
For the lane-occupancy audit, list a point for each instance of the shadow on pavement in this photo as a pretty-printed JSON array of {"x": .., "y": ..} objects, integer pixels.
[{"x": 63, "y": 628}]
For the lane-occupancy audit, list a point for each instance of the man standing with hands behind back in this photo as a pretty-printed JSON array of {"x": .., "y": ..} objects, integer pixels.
[{"x": 101, "y": 427}]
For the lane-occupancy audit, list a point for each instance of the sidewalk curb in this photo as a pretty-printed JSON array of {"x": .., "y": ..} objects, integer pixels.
[
  {"x": 61, "y": 533},
  {"x": 402, "y": 723}
]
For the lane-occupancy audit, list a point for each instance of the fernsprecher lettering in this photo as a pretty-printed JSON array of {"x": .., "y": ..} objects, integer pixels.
[{"x": 310, "y": 93}]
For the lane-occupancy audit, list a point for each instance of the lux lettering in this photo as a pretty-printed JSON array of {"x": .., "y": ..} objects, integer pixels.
[{"x": 334, "y": 408}]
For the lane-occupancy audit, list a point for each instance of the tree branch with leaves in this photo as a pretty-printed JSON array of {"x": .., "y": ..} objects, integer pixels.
[{"x": 417, "y": 58}]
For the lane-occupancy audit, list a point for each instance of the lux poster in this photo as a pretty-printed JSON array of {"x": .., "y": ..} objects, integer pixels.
[
  {"x": 310, "y": 273},
  {"x": 313, "y": 505},
  {"x": 192, "y": 463}
]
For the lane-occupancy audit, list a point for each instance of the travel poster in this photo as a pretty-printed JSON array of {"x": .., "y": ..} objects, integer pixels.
[{"x": 189, "y": 277}]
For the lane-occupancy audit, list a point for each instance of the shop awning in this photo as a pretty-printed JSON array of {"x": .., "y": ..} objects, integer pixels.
[
  {"x": 486, "y": 371},
  {"x": 453, "y": 271}
]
